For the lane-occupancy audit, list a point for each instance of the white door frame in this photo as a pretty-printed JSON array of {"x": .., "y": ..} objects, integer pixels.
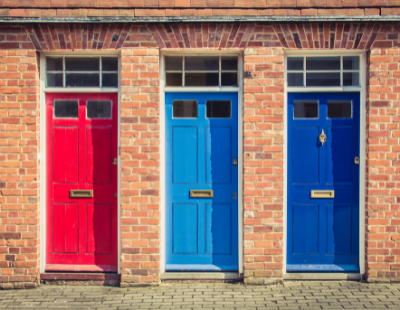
[
  {"x": 362, "y": 89},
  {"x": 163, "y": 90},
  {"x": 42, "y": 136}
]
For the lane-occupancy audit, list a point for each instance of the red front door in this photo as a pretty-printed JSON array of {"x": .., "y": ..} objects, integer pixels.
[{"x": 81, "y": 182}]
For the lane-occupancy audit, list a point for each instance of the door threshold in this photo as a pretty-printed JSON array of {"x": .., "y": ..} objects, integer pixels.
[
  {"x": 80, "y": 276},
  {"x": 323, "y": 276},
  {"x": 201, "y": 276},
  {"x": 80, "y": 268}
]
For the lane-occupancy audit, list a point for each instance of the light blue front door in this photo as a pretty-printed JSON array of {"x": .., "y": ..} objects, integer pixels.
[
  {"x": 201, "y": 181},
  {"x": 323, "y": 182}
]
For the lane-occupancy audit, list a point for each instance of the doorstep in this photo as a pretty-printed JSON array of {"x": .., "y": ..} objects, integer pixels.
[
  {"x": 201, "y": 276},
  {"x": 322, "y": 276},
  {"x": 52, "y": 276}
]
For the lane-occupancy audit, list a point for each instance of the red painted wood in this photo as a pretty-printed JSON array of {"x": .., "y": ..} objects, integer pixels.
[
  {"x": 80, "y": 276},
  {"x": 81, "y": 232},
  {"x": 81, "y": 268}
]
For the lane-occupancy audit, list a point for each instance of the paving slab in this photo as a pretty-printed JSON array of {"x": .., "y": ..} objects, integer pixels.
[{"x": 289, "y": 295}]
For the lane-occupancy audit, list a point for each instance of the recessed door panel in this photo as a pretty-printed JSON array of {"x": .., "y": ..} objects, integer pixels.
[
  {"x": 305, "y": 155},
  {"x": 99, "y": 220},
  {"x": 65, "y": 154},
  {"x": 339, "y": 153},
  {"x": 218, "y": 154},
  {"x": 218, "y": 229},
  {"x": 339, "y": 229},
  {"x": 98, "y": 155},
  {"x": 305, "y": 229},
  {"x": 185, "y": 225},
  {"x": 184, "y": 153},
  {"x": 323, "y": 182},
  {"x": 65, "y": 219}
]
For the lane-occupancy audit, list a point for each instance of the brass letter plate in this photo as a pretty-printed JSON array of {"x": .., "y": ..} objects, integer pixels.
[
  {"x": 80, "y": 193},
  {"x": 322, "y": 194},
  {"x": 201, "y": 193}
]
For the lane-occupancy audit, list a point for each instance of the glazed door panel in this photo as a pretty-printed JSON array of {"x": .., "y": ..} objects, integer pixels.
[{"x": 81, "y": 182}]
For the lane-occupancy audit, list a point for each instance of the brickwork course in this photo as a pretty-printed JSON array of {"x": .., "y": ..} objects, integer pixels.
[{"x": 263, "y": 45}]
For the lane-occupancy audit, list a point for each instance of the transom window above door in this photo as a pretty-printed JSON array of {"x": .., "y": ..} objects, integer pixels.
[
  {"x": 201, "y": 71},
  {"x": 317, "y": 71},
  {"x": 67, "y": 72}
]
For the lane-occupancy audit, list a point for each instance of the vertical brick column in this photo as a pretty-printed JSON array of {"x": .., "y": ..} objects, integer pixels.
[
  {"x": 140, "y": 159},
  {"x": 263, "y": 164},
  {"x": 383, "y": 167},
  {"x": 19, "y": 168}
]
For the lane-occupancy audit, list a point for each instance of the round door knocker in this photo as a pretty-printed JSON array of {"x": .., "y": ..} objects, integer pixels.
[{"x": 322, "y": 137}]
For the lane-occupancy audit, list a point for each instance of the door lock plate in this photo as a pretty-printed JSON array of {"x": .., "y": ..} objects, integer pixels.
[{"x": 356, "y": 160}]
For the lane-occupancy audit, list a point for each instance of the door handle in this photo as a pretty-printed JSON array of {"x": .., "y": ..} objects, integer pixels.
[
  {"x": 322, "y": 194},
  {"x": 201, "y": 193},
  {"x": 80, "y": 193}
]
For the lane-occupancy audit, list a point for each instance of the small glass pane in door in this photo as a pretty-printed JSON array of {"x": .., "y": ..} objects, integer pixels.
[
  {"x": 339, "y": 109},
  {"x": 306, "y": 109},
  {"x": 185, "y": 109},
  {"x": 98, "y": 109},
  {"x": 66, "y": 108},
  {"x": 218, "y": 109}
]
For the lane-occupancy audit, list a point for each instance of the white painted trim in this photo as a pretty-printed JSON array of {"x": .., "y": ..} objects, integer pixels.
[
  {"x": 363, "y": 158},
  {"x": 42, "y": 137},
  {"x": 42, "y": 158},
  {"x": 201, "y": 89},
  {"x": 163, "y": 238},
  {"x": 119, "y": 240},
  {"x": 80, "y": 90},
  {"x": 163, "y": 90},
  {"x": 362, "y": 89},
  {"x": 333, "y": 52},
  {"x": 88, "y": 53},
  {"x": 240, "y": 164}
]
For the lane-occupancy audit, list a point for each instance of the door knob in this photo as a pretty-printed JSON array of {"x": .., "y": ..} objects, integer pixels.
[{"x": 322, "y": 137}]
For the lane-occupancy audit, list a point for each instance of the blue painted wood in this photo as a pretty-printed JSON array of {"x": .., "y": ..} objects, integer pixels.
[
  {"x": 201, "y": 233},
  {"x": 323, "y": 268},
  {"x": 323, "y": 234}
]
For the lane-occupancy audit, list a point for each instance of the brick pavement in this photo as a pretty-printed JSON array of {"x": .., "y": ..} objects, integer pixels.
[{"x": 290, "y": 295}]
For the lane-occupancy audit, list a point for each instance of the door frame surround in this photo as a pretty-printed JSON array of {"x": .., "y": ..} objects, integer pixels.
[
  {"x": 362, "y": 89},
  {"x": 163, "y": 90},
  {"x": 42, "y": 135}
]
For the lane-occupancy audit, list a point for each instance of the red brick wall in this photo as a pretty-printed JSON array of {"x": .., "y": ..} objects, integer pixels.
[
  {"x": 383, "y": 193},
  {"x": 263, "y": 46},
  {"x": 140, "y": 159},
  {"x": 263, "y": 164},
  {"x": 19, "y": 168}
]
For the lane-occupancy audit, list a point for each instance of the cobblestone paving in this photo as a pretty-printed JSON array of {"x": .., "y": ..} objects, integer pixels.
[{"x": 290, "y": 295}]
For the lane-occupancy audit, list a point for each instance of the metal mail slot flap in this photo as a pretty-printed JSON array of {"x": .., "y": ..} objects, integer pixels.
[
  {"x": 322, "y": 194},
  {"x": 80, "y": 193},
  {"x": 201, "y": 193}
]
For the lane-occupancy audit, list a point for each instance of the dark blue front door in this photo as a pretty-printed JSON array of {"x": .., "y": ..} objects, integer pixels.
[
  {"x": 323, "y": 182},
  {"x": 201, "y": 181}
]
